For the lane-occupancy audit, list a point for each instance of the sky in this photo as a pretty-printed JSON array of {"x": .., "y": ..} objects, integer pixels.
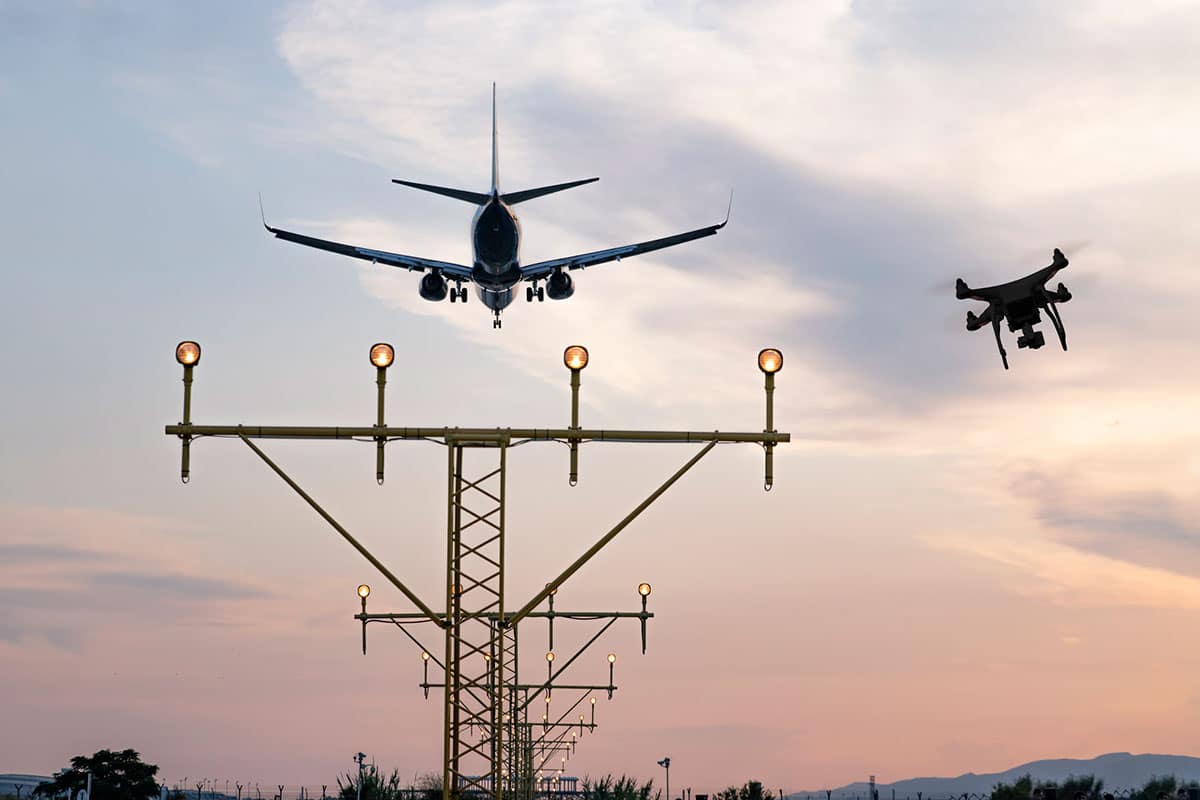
[{"x": 959, "y": 568}]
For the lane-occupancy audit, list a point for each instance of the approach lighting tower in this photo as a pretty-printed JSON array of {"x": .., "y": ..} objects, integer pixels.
[{"x": 488, "y": 740}]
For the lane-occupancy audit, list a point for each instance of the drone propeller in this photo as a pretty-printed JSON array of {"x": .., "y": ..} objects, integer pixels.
[{"x": 1069, "y": 249}]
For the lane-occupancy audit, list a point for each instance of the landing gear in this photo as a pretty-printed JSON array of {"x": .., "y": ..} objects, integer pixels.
[
  {"x": 541, "y": 294},
  {"x": 458, "y": 293},
  {"x": 496, "y": 321},
  {"x": 528, "y": 294},
  {"x": 534, "y": 291}
]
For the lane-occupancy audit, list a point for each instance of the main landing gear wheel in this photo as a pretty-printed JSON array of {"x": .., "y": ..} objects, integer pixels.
[
  {"x": 528, "y": 294},
  {"x": 541, "y": 294},
  {"x": 459, "y": 293}
]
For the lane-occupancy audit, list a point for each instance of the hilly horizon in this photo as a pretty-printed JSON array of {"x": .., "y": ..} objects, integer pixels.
[{"x": 1117, "y": 770}]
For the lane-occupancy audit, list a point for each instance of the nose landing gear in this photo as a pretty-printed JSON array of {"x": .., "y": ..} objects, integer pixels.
[{"x": 496, "y": 321}]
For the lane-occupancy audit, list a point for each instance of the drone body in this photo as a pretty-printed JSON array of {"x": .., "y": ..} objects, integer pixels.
[{"x": 1020, "y": 301}]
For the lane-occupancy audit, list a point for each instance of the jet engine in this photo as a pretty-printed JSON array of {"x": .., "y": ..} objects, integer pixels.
[
  {"x": 433, "y": 287},
  {"x": 560, "y": 286}
]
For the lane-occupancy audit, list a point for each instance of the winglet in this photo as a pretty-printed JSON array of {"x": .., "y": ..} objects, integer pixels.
[
  {"x": 263, "y": 214},
  {"x": 728, "y": 210}
]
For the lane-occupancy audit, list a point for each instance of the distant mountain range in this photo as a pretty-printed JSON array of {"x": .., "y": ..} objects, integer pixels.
[{"x": 1117, "y": 770}]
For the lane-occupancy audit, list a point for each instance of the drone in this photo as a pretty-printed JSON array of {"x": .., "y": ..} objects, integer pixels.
[{"x": 1020, "y": 301}]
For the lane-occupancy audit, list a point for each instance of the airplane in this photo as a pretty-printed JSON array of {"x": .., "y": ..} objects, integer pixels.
[
  {"x": 496, "y": 268},
  {"x": 1020, "y": 300}
]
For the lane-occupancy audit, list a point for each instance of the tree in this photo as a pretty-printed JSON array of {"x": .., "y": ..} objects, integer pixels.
[
  {"x": 1079, "y": 787},
  {"x": 374, "y": 785},
  {"x": 750, "y": 790},
  {"x": 429, "y": 786},
  {"x": 115, "y": 776},
  {"x": 1020, "y": 790},
  {"x": 622, "y": 788}
]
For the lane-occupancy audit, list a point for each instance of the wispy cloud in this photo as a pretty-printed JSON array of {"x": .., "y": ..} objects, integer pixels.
[{"x": 63, "y": 593}]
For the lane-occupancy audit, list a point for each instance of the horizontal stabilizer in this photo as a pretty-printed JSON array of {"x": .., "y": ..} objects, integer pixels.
[
  {"x": 512, "y": 198},
  {"x": 478, "y": 198}
]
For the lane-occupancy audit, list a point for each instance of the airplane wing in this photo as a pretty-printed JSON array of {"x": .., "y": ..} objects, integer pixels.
[
  {"x": 544, "y": 268},
  {"x": 457, "y": 271}
]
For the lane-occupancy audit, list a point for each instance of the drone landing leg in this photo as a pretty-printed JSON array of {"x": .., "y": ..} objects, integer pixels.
[
  {"x": 1056, "y": 318},
  {"x": 999, "y": 344}
]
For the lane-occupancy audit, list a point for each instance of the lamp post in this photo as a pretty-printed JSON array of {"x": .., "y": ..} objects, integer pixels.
[
  {"x": 666, "y": 764},
  {"x": 644, "y": 591},
  {"x": 770, "y": 361},
  {"x": 188, "y": 354},
  {"x": 382, "y": 356},
  {"x": 360, "y": 758},
  {"x": 364, "y": 591},
  {"x": 575, "y": 358}
]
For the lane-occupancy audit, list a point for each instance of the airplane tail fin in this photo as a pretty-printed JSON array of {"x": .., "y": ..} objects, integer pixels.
[
  {"x": 495, "y": 147},
  {"x": 528, "y": 194},
  {"x": 478, "y": 198}
]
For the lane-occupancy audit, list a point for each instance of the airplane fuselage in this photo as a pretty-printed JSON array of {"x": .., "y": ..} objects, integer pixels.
[{"x": 496, "y": 253}]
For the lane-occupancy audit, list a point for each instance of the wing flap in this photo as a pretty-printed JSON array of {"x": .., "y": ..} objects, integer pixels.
[
  {"x": 583, "y": 260},
  {"x": 399, "y": 260}
]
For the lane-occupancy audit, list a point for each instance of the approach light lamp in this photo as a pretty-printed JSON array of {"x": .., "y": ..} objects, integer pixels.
[
  {"x": 424, "y": 656},
  {"x": 550, "y": 656},
  {"x": 382, "y": 355},
  {"x": 644, "y": 589},
  {"x": 363, "y": 592},
  {"x": 612, "y": 658},
  {"x": 575, "y": 357},
  {"x": 770, "y": 360},
  {"x": 188, "y": 353}
]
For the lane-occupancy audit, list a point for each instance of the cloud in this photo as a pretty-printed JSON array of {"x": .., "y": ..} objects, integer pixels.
[
  {"x": 1068, "y": 576},
  {"x": 63, "y": 593},
  {"x": 1149, "y": 528},
  {"x": 43, "y": 554},
  {"x": 188, "y": 587}
]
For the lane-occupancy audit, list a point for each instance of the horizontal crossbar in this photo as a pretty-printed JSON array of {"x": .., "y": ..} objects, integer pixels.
[{"x": 464, "y": 435}]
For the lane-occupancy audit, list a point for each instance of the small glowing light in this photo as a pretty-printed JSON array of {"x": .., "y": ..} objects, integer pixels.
[
  {"x": 593, "y": 701},
  {"x": 644, "y": 589},
  {"x": 364, "y": 591},
  {"x": 612, "y": 658},
  {"x": 770, "y": 360},
  {"x": 424, "y": 656},
  {"x": 382, "y": 355},
  {"x": 547, "y": 699},
  {"x": 550, "y": 656},
  {"x": 187, "y": 353},
  {"x": 580, "y": 719},
  {"x": 553, "y": 589},
  {"x": 575, "y": 357}
]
